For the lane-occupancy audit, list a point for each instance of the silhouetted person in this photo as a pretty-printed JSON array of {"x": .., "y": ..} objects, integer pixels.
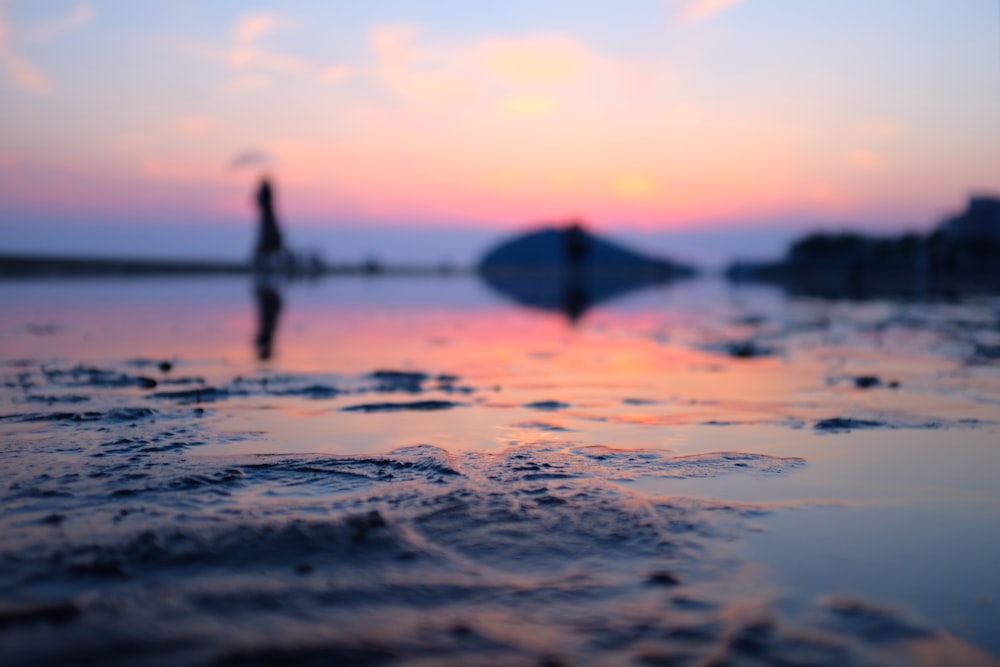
[
  {"x": 268, "y": 310},
  {"x": 269, "y": 242},
  {"x": 577, "y": 246}
]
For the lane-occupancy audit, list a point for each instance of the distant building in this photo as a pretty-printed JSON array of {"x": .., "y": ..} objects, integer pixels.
[{"x": 980, "y": 221}]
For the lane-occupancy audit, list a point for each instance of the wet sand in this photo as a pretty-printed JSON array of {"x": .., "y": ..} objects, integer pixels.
[
  {"x": 23, "y": 266},
  {"x": 424, "y": 474}
]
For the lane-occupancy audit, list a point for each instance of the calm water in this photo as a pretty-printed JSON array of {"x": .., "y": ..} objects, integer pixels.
[{"x": 383, "y": 471}]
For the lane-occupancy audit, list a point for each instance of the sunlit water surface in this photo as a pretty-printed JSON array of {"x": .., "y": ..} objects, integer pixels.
[{"x": 385, "y": 471}]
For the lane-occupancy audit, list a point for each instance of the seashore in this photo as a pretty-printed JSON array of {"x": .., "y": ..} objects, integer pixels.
[{"x": 432, "y": 476}]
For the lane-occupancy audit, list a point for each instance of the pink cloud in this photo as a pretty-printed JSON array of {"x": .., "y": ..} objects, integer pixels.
[
  {"x": 254, "y": 66},
  {"x": 251, "y": 27},
  {"x": 79, "y": 17},
  {"x": 512, "y": 75},
  {"x": 394, "y": 45},
  {"x": 542, "y": 60},
  {"x": 527, "y": 106},
  {"x": 417, "y": 72},
  {"x": 865, "y": 159},
  {"x": 24, "y": 75},
  {"x": 194, "y": 126},
  {"x": 696, "y": 11}
]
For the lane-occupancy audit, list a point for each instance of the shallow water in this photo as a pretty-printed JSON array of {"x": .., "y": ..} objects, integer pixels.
[{"x": 423, "y": 473}]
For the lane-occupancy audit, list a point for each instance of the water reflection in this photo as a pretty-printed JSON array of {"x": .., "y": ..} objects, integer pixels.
[
  {"x": 572, "y": 291},
  {"x": 567, "y": 425},
  {"x": 269, "y": 305}
]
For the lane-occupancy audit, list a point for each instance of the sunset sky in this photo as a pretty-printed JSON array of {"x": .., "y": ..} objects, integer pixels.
[{"x": 141, "y": 127}]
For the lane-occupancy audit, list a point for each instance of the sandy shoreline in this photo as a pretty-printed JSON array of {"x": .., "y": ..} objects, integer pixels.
[{"x": 577, "y": 495}]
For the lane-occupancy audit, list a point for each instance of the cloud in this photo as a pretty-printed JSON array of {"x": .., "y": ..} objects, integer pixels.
[
  {"x": 254, "y": 65},
  {"x": 194, "y": 126},
  {"x": 543, "y": 60},
  {"x": 529, "y": 106},
  {"x": 81, "y": 16},
  {"x": 684, "y": 112},
  {"x": 866, "y": 160},
  {"x": 884, "y": 130},
  {"x": 26, "y": 76},
  {"x": 253, "y": 62},
  {"x": 634, "y": 186},
  {"x": 23, "y": 73},
  {"x": 247, "y": 53},
  {"x": 418, "y": 72},
  {"x": 173, "y": 170},
  {"x": 247, "y": 83},
  {"x": 251, "y": 27},
  {"x": 251, "y": 158},
  {"x": 516, "y": 75},
  {"x": 696, "y": 11},
  {"x": 336, "y": 73},
  {"x": 394, "y": 45}
]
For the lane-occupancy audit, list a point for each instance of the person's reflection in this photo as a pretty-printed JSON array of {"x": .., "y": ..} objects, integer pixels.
[
  {"x": 576, "y": 245},
  {"x": 575, "y": 301},
  {"x": 268, "y": 310}
]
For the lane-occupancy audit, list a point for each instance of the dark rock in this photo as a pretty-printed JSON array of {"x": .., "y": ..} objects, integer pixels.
[
  {"x": 562, "y": 246},
  {"x": 754, "y": 639},
  {"x": 89, "y": 376},
  {"x": 363, "y": 525},
  {"x": 315, "y": 391},
  {"x": 56, "y": 613},
  {"x": 308, "y": 656},
  {"x": 398, "y": 407},
  {"x": 568, "y": 269},
  {"x": 113, "y": 415},
  {"x": 542, "y": 426},
  {"x": 401, "y": 381},
  {"x": 200, "y": 395},
  {"x": 747, "y": 349},
  {"x": 867, "y": 381},
  {"x": 49, "y": 400},
  {"x": 652, "y": 658},
  {"x": 663, "y": 578},
  {"x": 99, "y": 568},
  {"x": 846, "y": 424},
  {"x": 875, "y": 624},
  {"x": 547, "y": 406}
]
